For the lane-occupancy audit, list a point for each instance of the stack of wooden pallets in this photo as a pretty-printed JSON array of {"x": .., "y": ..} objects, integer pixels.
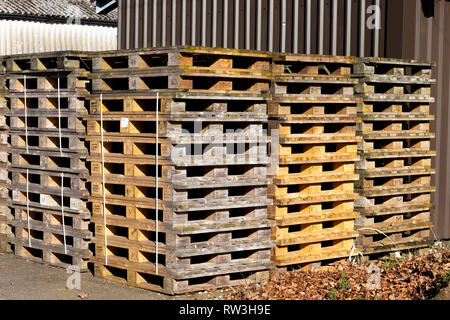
[
  {"x": 395, "y": 167},
  {"x": 4, "y": 193},
  {"x": 204, "y": 159},
  {"x": 50, "y": 219},
  {"x": 313, "y": 113},
  {"x": 164, "y": 155}
]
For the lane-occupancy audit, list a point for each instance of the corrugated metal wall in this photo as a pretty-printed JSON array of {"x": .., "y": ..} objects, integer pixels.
[
  {"x": 429, "y": 39},
  {"x": 336, "y": 27},
  {"x": 18, "y": 37},
  {"x": 408, "y": 29}
]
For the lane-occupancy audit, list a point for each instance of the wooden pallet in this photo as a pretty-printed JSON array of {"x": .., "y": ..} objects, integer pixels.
[
  {"x": 375, "y": 85},
  {"x": 45, "y": 242},
  {"x": 70, "y": 102},
  {"x": 184, "y": 57},
  {"x": 393, "y": 80},
  {"x": 41, "y": 123},
  {"x": 44, "y": 149},
  {"x": 48, "y": 82},
  {"x": 38, "y": 178},
  {"x": 181, "y": 68},
  {"x": 312, "y": 87},
  {"x": 375, "y": 252},
  {"x": 140, "y": 127},
  {"x": 47, "y": 62},
  {"x": 181, "y": 177},
  {"x": 310, "y": 64},
  {"x": 212, "y": 209},
  {"x": 313, "y": 252},
  {"x": 5, "y": 229},
  {"x": 313, "y": 114},
  {"x": 48, "y": 141},
  {"x": 310, "y": 134},
  {"x": 184, "y": 105},
  {"x": 48, "y": 160},
  {"x": 125, "y": 213},
  {"x": 191, "y": 82},
  {"x": 48, "y": 253},
  {"x": 120, "y": 274},
  {"x": 397, "y": 234},
  {"x": 393, "y": 67},
  {"x": 184, "y": 262},
  {"x": 395, "y": 167}
]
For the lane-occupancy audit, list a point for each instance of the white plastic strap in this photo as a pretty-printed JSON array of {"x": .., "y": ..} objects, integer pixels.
[
  {"x": 28, "y": 215},
  {"x": 25, "y": 109},
  {"x": 157, "y": 184},
  {"x": 103, "y": 179},
  {"x": 59, "y": 118},
  {"x": 351, "y": 252},
  {"x": 62, "y": 173},
  {"x": 62, "y": 212}
]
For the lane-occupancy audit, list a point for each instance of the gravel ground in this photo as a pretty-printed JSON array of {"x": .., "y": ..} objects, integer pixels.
[{"x": 25, "y": 280}]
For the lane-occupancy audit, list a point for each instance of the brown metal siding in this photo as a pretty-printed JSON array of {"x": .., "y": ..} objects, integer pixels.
[
  {"x": 129, "y": 38},
  {"x": 428, "y": 39},
  {"x": 405, "y": 33}
]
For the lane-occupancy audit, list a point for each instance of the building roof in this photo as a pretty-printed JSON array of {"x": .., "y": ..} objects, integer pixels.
[{"x": 57, "y": 9}]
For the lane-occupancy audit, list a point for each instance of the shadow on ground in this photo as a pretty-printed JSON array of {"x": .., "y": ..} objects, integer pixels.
[{"x": 25, "y": 280}]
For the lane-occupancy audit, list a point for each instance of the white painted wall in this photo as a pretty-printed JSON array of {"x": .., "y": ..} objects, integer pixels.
[{"x": 18, "y": 37}]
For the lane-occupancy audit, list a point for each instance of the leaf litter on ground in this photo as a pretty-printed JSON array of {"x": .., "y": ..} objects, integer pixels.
[{"x": 407, "y": 278}]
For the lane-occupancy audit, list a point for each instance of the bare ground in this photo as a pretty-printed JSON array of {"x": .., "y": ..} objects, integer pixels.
[
  {"x": 25, "y": 280},
  {"x": 444, "y": 294}
]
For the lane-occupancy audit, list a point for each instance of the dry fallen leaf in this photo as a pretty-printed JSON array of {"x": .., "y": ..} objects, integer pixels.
[{"x": 83, "y": 295}]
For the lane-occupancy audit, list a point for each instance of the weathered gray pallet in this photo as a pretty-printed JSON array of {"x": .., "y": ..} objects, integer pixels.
[
  {"x": 5, "y": 229},
  {"x": 395, "y": 168},
  {"x": 212, "y": 209},
  {"x": 48, "y": 147}
]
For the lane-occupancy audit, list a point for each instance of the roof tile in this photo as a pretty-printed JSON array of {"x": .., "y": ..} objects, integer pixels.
[{"x": 83, "y": 9}]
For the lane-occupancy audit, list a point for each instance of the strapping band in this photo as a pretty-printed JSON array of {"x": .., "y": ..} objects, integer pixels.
[
  {"x": 157, "y": 184},
  {"x": 103, "y": 180}
]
